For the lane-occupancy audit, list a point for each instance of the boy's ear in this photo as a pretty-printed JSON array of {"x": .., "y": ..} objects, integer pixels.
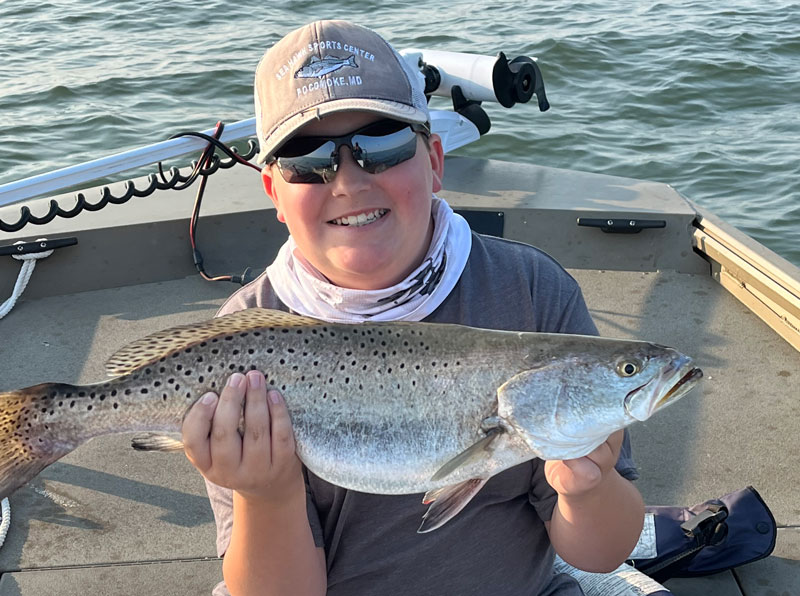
[
  {"x": 436, "y": 153},
  {"x": 269, "y": 188}
]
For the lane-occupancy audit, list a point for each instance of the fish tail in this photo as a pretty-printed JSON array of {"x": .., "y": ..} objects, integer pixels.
[{"x": 28, "y": 441}]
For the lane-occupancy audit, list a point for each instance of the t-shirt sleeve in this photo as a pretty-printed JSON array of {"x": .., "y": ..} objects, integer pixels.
[{"x": 542, "y": 496}]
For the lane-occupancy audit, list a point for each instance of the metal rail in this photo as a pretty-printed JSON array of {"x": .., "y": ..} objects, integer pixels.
[
  {"x": 760, "y": 279},
  {"x": 454, "y": 129}
]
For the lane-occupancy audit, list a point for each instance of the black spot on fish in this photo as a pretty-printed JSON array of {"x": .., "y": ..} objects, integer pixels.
[
  {"x": 144, "y": 391},
  {"x": 116, "y": 405}
]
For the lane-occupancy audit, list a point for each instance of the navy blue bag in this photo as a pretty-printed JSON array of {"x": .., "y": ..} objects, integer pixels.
[{"x": 713, "y": 536}]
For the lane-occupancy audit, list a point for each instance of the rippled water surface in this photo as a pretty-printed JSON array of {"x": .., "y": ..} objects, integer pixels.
[{"x": 702, "y": 95}]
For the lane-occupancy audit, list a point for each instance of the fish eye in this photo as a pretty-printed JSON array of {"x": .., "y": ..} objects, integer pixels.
[{"x": 628, "y": 368}]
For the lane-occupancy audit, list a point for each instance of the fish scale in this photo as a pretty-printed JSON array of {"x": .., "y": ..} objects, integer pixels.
[{"x": 388, "y": 408}]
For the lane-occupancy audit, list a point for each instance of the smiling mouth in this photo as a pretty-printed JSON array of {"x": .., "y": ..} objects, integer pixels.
[{"x": 361, "y": 219}]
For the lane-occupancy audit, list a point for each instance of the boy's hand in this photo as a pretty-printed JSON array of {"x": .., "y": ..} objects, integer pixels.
[
  {"x": 259, "y": 464},
  {"x": 575, "y": 477}
]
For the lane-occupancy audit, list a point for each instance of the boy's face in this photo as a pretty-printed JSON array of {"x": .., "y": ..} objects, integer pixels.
[{"x": 373, "y": 255}]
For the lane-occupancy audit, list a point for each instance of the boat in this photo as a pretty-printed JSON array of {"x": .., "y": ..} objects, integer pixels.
[{"x": 652, "y": 265}]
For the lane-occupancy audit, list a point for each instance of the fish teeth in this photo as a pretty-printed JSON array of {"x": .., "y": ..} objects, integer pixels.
[{"x": 360, "y": 219}]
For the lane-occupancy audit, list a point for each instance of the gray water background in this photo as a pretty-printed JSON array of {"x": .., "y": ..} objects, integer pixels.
[{"x": 702, "y": 95}]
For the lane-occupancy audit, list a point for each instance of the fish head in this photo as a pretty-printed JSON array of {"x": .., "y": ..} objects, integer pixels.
[
  {"x": 673, "y": 375},
  {"x": 568, "y": 406}
]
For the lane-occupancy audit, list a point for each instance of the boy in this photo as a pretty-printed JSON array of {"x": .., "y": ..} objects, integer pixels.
[{"x": 352, "y": 170}]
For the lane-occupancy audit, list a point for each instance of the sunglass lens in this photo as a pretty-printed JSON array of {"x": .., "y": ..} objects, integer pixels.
[
  {"x": 315, "y": 167},
  {"x": 377, "y": 154}
]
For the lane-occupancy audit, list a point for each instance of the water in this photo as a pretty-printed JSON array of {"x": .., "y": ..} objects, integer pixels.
[{"x": 701, "y": 95}]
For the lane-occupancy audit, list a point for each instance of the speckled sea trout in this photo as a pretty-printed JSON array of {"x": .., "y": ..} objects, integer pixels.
[{"x": 387, "y": 408}]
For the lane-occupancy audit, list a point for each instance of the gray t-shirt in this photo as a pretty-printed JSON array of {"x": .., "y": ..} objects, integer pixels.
[{"x": 498, "y": 544}]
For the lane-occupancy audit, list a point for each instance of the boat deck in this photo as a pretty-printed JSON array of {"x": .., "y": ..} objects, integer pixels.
[{"x": 109, "y": 520}]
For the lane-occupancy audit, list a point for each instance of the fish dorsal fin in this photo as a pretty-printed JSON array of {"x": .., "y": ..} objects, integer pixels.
[
  {"x": 153, "y": 347},
  {"x": 314, "y": 59}
]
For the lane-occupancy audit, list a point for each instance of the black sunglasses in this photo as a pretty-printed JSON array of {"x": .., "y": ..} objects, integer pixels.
[{"x": 375, "y": 148}]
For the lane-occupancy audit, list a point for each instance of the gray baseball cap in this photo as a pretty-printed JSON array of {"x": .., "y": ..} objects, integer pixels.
[{"x": 332, "y": 66}]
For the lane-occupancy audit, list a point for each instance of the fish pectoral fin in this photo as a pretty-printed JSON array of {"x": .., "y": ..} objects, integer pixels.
[
  {"x": 447, "y": 502},
  {"x": 156, "y": 442},
  {"x": 472, "y": 454}
]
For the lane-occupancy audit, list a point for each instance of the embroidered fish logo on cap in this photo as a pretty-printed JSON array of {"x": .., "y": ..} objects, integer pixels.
[{"x": 319, "y": 67}]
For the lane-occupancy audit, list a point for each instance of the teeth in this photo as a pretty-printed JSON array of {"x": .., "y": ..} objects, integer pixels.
[{"x": 360, "y": 219}]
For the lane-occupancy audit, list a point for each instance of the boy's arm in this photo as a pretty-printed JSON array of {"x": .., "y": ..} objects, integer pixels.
[
  {"x": 271, "y": 550},
  {"x": 599, "y": 515}
]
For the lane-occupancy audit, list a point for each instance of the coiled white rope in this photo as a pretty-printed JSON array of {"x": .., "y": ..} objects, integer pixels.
[{"x": 28, "y": 264}]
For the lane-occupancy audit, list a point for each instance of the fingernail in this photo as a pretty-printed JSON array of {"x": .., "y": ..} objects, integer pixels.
[
  {"x": 208, "y": 398},
  {"x": 235, "y": 380},
  {"x": 255, "y": 379},
  {"x": 274, "y": 397}
]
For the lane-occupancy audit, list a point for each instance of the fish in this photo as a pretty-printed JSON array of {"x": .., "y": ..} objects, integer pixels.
[
  {"x": 378, "y": 407},
  {"x": 319, "y": 67}
]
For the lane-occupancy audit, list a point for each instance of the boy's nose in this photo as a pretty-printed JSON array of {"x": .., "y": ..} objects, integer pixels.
[{"x": 349, "y": 175}]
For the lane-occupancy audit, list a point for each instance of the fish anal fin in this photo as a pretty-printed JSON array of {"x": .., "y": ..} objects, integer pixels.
[
  {"x": 152, "y": 348},
  {"x": 447, "y": 502},
  {"x": 472, "y": 454},
  {"x": 156, "y": 442}
]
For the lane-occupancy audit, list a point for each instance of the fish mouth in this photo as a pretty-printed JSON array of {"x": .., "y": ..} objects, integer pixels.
[
  {"x": 680, "y": 376},
  {"x": 681, "y": 387}
]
